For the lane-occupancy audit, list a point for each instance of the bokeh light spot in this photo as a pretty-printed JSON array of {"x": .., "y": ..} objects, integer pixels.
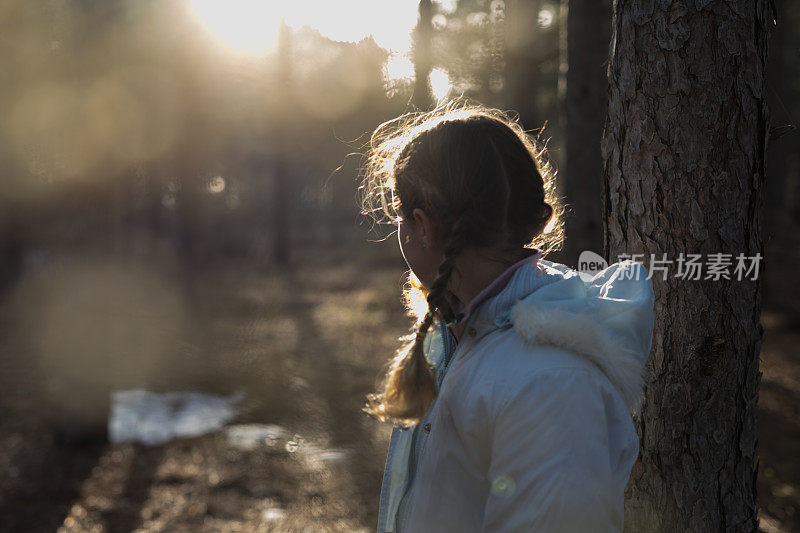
[
  {"x": 216, "y": 185},
  {"x": 503, "y": 486}
]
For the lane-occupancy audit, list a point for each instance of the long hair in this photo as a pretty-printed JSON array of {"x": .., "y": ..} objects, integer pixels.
[{"x": 486, "y": 183}]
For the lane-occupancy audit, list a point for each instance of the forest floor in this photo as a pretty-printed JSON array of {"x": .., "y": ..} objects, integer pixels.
[
  {"x": 304, "y": 346},
  {"x": 778, "y": 445}
]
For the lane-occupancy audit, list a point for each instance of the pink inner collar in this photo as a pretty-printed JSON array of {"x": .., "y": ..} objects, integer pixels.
[{"x": 491, "y": 290}]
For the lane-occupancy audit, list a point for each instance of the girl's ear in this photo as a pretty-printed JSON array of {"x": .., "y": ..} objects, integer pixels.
[{"x": 426, "y": 227}]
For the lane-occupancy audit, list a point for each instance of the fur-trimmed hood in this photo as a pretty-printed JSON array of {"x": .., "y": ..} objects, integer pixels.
[{"x": 607, "y": 318}]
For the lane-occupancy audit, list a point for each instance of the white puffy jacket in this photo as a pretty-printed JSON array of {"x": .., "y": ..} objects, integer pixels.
[{"x": 531, "y": 429}]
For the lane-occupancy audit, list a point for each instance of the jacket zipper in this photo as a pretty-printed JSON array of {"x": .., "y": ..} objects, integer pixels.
[{"x": 447, "y": 357}]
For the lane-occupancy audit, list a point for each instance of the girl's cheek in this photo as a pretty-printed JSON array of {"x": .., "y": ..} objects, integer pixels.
[
  {"x": 406, "y": 247},
  {"x": 418, "y": 259},
  {"x": 401, "y": 238}
]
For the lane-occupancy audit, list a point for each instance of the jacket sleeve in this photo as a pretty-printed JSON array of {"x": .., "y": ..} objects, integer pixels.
[{"x": 562, "y": 448}]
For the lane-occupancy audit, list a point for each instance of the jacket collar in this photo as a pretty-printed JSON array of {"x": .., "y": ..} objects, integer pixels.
[
  {"x": 463, "y": 314},
  {"x": 495, "y": 311},
  {"x": 607, "y": 318}
]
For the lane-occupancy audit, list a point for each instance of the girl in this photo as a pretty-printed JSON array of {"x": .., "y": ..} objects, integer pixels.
[{"x": 512, "y": 397}]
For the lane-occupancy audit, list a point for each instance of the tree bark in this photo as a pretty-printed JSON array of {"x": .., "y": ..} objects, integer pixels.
[
  {"x": 588, "y": 25},
  {"x": 684, "y": 152}
]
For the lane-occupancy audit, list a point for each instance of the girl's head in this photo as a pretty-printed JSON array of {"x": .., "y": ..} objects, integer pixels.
[{"x": 459, "y": 177}]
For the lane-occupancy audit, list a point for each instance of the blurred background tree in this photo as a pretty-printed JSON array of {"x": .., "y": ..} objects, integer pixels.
[{"x": 586, "y": 31}]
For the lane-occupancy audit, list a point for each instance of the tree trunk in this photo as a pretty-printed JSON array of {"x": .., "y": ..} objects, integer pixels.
[
  {"x": 780, "y": 95},
  {"x": 684, "y": 152},
  {"x": 588, "y": 28},
  {"x": 523, "y": 61},
  {"x": 423, "y": 63},
  {"x": 281, "y": 197},
  {"x": 11, "y": 247}
]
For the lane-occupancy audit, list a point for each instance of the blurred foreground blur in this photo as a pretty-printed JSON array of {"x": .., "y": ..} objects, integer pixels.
[{"x": 301, "y": 348}]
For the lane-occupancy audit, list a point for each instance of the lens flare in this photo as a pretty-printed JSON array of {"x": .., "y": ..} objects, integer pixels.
[
  {"x": 245, "y": 26},
  {"x": 251, "y": 26}
]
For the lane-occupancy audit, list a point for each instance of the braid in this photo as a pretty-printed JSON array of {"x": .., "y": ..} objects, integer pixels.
[
  {"x": 410, "y": 384},
  {"x": 457, "y": 243}
]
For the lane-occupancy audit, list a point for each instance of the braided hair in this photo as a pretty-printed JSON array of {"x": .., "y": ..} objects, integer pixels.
[{"x": 486, "y": 184}]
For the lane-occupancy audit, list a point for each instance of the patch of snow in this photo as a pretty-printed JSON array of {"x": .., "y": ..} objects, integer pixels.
[
  {"x": 250, "y": 436},
  {"x": 274, "y": 514},
  {"x": 156, "y": 418}
]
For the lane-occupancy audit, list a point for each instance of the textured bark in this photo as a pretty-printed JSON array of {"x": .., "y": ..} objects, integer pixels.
[
  {"x": 684, "y": 152},
  {"x": 588, "y": 25}
]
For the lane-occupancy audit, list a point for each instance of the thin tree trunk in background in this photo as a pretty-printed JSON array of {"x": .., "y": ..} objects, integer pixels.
[
  {"x": 422, "y": 98},
  {"x": 11, "y": 247},
  {"x": 588, "y": 29},
  {"x": 522, "y": 61},
  {"x": 119, "y": 208},
  {"x": 189, "y": 215},
  {"x": 684, "y": 154},
  {"x": 281, "y": 222},
  {"x": 779, "y": 150},
  {"x": 187, "y": 162}
]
